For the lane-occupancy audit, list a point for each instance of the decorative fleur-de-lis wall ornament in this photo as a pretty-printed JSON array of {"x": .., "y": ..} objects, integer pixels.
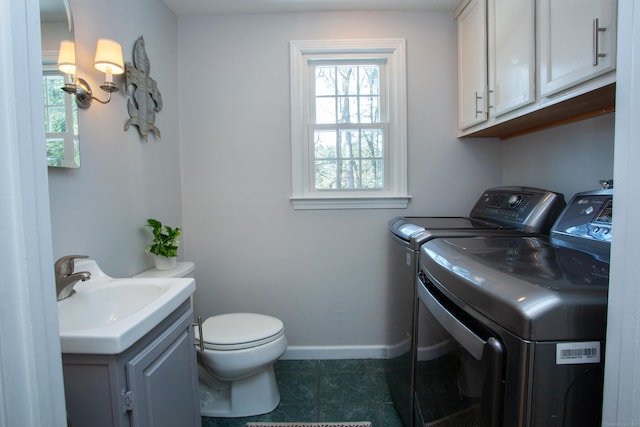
[{"x": 144, "y": 96}]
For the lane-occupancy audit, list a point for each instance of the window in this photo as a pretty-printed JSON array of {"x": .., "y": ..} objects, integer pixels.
[
  {"x": 348, "y": 129},
  {"x": 60, "y": 118}
]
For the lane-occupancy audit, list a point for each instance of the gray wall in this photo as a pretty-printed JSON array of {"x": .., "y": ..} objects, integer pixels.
[
  {"x": 567, "y": 159},
  {"x": 100, "y": 209},
  {"x": 322, "y": 272}
]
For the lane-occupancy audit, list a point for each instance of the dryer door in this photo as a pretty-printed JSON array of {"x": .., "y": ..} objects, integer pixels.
[{"x": 464, "y": 383}]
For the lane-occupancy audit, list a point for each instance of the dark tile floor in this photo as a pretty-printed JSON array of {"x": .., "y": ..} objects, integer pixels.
[{"x": 327, "y": 390}]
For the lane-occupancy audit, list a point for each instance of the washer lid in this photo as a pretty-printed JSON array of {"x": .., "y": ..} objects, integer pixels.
[{"x": 240, "y": 328}]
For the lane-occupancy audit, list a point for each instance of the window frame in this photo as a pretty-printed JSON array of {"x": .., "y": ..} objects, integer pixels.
[{"x": 305, "y": 53}]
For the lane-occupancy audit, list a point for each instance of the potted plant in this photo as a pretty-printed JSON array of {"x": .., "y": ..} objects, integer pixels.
[{"x": 165, "y": 244}]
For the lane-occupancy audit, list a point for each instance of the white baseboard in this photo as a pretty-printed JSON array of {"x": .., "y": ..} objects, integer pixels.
[
  {"x": 335, "y": 352},
  {"x": 364, "y": 351}
]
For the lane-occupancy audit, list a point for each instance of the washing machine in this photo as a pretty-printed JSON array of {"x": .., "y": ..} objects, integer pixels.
[{"x": 498, "y": 211}]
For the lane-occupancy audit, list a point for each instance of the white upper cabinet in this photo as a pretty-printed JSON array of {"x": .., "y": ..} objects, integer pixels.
[
  {"x": 576, "y": 42},
  {"x": 525, "y": 65},
  {"x": 472, "y": 63},
  {"x": 511, "y": 31}
]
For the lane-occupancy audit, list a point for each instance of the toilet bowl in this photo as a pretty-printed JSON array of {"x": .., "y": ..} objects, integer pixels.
[
  {"x": 236, "y": 365},
  {"x": 235, "y": 359}
]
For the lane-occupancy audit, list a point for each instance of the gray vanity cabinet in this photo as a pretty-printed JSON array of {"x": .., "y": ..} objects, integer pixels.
[{"x": 152, "y": 383}]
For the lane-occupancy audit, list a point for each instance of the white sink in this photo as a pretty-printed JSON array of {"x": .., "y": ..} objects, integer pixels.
[{"x": 107, "y": 315}]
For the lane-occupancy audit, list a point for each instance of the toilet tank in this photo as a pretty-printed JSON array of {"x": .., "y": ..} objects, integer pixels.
[{"x": 183, "y": 269}]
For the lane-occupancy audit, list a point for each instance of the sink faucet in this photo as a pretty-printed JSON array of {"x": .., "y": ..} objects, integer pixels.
[{"x": 66, "y": 278}]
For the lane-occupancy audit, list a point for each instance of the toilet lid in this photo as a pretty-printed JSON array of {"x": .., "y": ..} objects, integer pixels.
[{"x": 239, "y": 330}]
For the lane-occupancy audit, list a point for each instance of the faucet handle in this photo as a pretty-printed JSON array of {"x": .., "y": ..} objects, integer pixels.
[{"x": 65, "y": 265}]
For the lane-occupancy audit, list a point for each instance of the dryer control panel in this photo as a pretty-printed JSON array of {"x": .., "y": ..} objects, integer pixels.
[{"x": 588, "y": 216}]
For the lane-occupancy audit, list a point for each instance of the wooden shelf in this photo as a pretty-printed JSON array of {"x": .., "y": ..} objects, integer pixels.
[{"x": 591, "y": 104}]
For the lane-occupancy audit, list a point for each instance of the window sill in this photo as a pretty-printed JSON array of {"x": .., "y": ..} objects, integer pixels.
[{"x": 380, "y": 202}]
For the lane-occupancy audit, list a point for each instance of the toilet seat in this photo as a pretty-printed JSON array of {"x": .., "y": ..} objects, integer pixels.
[{"x": 235, "y": 331}]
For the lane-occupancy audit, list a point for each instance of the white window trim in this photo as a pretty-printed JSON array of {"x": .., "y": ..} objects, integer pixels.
[{"x": 303, "y": 196}]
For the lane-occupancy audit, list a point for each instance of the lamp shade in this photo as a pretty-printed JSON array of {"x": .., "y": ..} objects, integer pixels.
[
  {"x": 109, "y": 57},
  {"x": 67, "y": 57}
]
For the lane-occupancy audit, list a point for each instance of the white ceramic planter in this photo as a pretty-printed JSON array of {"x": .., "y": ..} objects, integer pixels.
[{"x": 164, "y": 263}]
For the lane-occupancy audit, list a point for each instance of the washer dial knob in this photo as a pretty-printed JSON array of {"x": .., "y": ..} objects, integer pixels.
[{"x": 515, "y": 200}]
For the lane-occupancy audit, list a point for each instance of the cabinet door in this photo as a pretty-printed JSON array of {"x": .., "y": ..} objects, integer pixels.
[
  {"x": 472, "y": 63},
  {"x": 511, "y": 31},
  {"x": 576, "y": 42},
  {"x": 163, "y": 381}
]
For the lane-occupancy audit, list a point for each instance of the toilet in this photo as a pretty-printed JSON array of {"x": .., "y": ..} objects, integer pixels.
[{"x": 235, "y": 363}]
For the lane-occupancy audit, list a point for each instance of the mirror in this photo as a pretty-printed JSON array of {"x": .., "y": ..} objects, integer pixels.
[{"x": 60, "y": 110}]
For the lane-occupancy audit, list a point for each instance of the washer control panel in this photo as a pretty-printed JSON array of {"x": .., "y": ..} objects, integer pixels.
[{"x": 525, "y": 208}]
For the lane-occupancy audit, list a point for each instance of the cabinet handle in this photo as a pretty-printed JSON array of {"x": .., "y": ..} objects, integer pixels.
[
  {"x": 478, "y": 111},
  {"x": 596, "y": 30}
]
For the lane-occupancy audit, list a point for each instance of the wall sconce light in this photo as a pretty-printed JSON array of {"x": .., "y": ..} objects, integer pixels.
[{"x": 108, "y": 60}]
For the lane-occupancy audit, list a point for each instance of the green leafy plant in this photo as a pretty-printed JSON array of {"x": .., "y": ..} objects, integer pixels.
[{"x": 165, "y": 239}]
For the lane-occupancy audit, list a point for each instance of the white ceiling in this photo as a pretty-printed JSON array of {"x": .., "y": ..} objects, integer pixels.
[{"x": 200, "y": 7}]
